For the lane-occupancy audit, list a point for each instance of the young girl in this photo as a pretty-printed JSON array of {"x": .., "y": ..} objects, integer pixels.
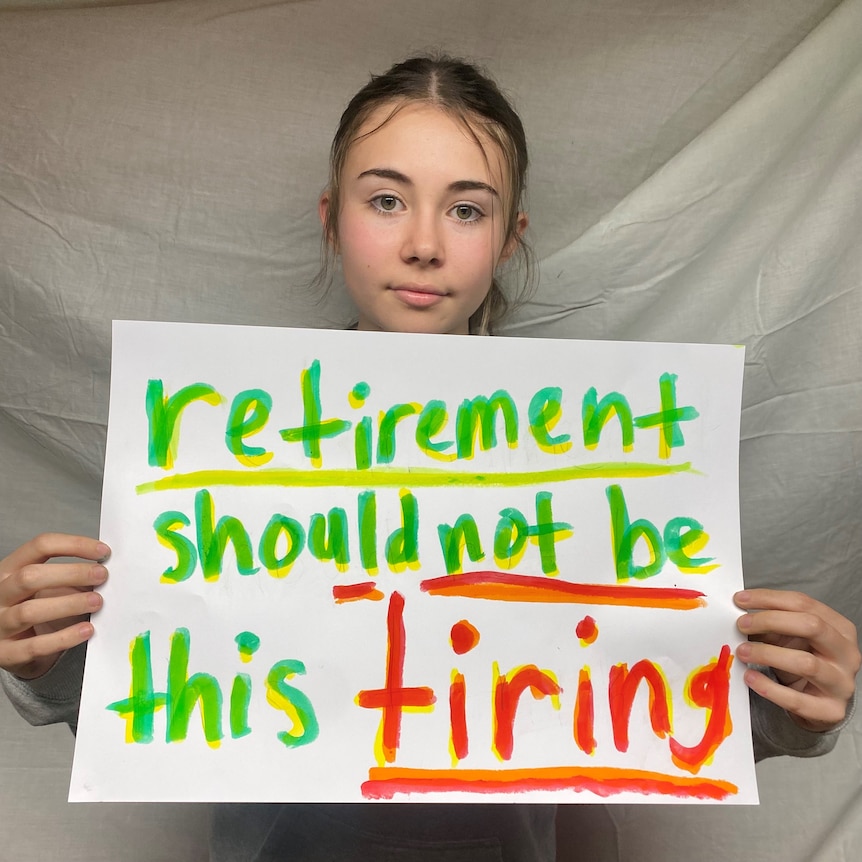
[{"x": 422, "y": 208}]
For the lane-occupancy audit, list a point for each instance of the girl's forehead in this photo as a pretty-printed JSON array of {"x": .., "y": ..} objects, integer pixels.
[{"x": 413, "y": 132}]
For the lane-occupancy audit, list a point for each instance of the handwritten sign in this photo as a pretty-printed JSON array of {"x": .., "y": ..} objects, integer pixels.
[{"x": 359, "y": 566}]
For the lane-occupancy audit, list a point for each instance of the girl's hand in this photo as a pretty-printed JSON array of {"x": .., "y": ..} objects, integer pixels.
[
  {"x": 812, "y": 649},
  {"x": 45, "y": 607}
]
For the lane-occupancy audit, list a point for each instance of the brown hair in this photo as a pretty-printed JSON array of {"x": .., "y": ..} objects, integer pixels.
[{"x": 464, "y": 91}]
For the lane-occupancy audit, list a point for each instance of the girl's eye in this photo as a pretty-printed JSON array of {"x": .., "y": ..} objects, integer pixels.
[
  {"x": 466, "y": 212},
  {"x": 386, "y": 203}
]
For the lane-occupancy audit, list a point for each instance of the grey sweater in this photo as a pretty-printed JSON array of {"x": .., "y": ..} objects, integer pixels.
[{"x": 408, "y": 833}]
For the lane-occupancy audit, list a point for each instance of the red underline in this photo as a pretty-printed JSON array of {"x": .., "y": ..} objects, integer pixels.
[
  {"x": 503, "y": 587},
  {"x": 387, "y": 782}
]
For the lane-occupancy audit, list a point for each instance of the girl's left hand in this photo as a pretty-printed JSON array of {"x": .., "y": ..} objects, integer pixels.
[{"x": 812, "y": 649}]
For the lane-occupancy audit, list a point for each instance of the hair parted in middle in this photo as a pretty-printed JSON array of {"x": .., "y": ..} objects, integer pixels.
[{"x": 475, "y": 101}]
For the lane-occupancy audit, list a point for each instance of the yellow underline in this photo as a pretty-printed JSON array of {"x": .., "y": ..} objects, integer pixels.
[{"x": 418, "y": 477}]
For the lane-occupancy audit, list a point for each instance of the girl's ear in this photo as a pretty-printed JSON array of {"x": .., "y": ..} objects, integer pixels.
[
  {"x": 511, "y": 245},
  {"x": 324, "y": 213}
]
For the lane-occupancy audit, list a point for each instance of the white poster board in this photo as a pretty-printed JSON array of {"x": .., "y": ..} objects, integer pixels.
[{"x": 356, "y": 566}]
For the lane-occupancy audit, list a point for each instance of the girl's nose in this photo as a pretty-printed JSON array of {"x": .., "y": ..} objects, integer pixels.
[{"x": 423, "y": 241}]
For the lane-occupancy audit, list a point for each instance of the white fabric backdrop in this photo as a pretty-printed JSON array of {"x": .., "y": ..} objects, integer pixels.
[{"x": 697, "y": 175}]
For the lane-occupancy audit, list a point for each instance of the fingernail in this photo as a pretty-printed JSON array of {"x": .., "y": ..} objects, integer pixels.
[
  {"x": 94, "y": 600},
  {"x": 744, "y": 622},
  {"x": 98, "y": 574},
  {"x": 102, "y": 550},
  {"x": 742, "y": 596},
  {"x": 754, "y": 681}
]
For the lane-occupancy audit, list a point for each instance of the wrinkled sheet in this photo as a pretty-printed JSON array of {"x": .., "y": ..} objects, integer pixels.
[{"x": 696, "y": 176}]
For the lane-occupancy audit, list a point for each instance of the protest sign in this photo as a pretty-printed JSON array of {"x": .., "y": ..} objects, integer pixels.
[{"x": 355, "y": 566}]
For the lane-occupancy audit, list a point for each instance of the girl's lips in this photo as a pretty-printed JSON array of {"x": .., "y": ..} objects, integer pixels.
[{"x": 419, "y": 296}]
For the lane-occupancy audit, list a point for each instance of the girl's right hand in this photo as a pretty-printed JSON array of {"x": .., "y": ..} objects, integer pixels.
[{"x": 45, "y": 607}]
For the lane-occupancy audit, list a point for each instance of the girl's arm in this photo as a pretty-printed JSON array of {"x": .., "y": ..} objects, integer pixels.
[
  {"x": 44, "y": 625},
  {"x": 53, "y": 698}
]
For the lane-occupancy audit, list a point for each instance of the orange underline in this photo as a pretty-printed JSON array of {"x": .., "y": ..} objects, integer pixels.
[
  {"x": 502, "y": 587},
  {"x": 386, "y": 782}
]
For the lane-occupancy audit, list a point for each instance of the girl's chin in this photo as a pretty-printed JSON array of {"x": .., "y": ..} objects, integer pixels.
[{"x": 418, "y": 324}]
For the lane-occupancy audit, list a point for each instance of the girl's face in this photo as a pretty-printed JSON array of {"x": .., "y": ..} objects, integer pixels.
[{"x": 421, "y": 226}]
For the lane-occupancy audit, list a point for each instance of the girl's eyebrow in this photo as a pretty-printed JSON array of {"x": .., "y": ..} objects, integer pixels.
[
  {"x": 387, "y": 174},
  {"x": 457, "y": 186},
  {"x": 472, "y": 186}
]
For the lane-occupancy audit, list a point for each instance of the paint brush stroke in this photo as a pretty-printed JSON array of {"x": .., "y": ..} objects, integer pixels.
[
  {"x": 503, "y": 587},
  {"x": 354, "y": 592},
  {"x": 417, "y": 477},
  {"x": 387, "y": 782}
]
